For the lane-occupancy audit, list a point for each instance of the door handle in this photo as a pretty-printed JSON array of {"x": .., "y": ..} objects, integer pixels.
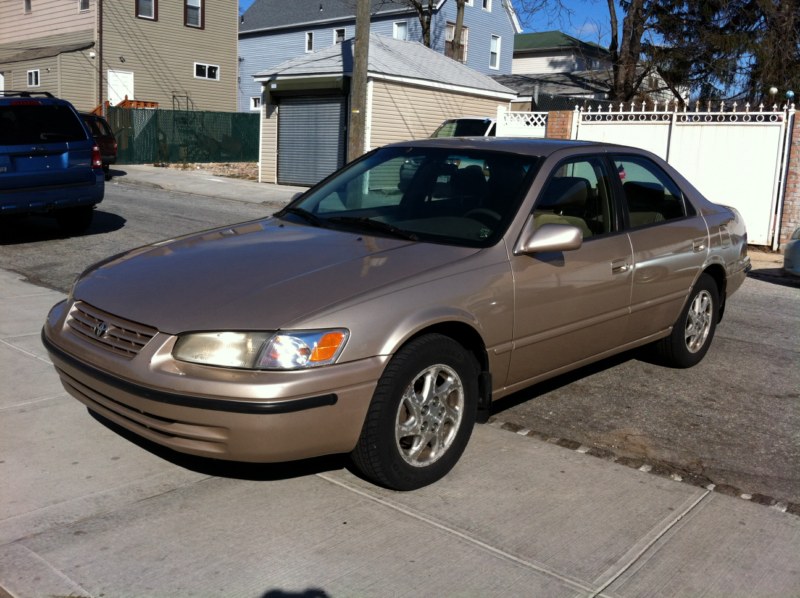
[
  {"x": 699, "y": 245},
  {"x": 620, "y": 266}
]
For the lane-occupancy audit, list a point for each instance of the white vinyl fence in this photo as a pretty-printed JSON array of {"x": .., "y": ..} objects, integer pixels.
[
  {"x": 734, "y": 155},
  {"x": 521, "y": 124}
]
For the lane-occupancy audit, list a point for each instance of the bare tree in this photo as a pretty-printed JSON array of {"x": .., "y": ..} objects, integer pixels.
[{"x": 626, "y": 54}]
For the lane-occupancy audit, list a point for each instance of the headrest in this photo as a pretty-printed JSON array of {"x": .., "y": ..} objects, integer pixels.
[{"x": 564, "y": 191}]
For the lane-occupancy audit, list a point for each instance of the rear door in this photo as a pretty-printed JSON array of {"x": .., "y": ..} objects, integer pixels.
[
  {"x": 43, "y": 145},
  {"x": 669, "y": 240}
]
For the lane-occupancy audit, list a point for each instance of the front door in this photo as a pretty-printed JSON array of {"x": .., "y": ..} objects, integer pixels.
[{"x": 574, "y": 305}]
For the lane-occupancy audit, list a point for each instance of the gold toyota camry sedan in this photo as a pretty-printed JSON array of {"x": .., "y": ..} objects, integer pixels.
[{"x": 381, "y": 312}]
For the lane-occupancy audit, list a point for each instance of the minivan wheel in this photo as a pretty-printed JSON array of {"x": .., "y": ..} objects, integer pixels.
[
  {"x": 75, "y": 220},
  {"x": 421, "y": 415},
  {"x": 691, "y": 336}
]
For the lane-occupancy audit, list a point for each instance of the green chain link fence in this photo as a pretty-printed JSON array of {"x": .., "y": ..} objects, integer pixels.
[{"x": 147, "y": 136}]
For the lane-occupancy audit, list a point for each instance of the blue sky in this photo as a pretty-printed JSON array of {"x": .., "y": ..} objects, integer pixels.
[{"x": 588, "y": 20}]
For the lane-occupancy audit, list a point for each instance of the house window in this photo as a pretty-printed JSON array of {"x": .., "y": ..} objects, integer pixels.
[
  {"x": 255, "y": 103},
  {"x": 338, "y": 36},
  {"x": 494, "y": 52},
  {"x": 26, "y": 6},
  {"x": 147, "y": 9},
  {"x": 400, "y": 30},
  {"x": 33, "y": 78},
  {"x": 487, "y": 5},
  {"x": 193, "y": 13},
  {"x": 83, "y": 5},
  {"x": 451, "y": 48},
  {"x": 309, "y": 41},
  {"x": 468, "y": 3},
  {"x": 206, "y": 71}
]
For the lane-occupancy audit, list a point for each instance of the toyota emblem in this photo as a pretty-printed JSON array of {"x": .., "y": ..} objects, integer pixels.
[{"x": 100, "y": 330}]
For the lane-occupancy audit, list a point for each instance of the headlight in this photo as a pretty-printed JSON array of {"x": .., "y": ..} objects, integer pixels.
[{"x": 285, "y": 350}]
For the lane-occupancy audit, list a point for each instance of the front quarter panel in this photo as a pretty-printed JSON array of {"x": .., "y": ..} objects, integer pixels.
[{"x": 476, "y": 293}]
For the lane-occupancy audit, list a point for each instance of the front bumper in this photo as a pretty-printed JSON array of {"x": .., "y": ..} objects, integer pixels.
[{"x": 214, "y": 412}]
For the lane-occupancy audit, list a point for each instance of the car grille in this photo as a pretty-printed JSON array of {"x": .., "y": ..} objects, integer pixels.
[{"x": 110, "y": 332}]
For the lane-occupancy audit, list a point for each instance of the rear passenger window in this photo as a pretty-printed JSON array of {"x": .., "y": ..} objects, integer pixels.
[
  {"x": 650, "y": 195},
  {"x": 578, "y": 194}
]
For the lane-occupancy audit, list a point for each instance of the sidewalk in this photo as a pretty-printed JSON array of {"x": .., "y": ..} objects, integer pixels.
[
  {"x": 203, "y": 182},
  {"x": 86, "y": 512}
]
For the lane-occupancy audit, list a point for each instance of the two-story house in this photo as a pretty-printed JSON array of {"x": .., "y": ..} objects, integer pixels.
[
  {"x": 555, "y": 71},
  {"x": 272, "y": 31},
  {"x": 176, "y": 53}
]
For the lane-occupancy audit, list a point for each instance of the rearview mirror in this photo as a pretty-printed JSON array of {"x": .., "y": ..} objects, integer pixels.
[{"x": 548, "y": 238}]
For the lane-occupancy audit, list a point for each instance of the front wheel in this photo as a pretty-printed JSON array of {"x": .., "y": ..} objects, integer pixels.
[
  {"x": 691, "y": 336},
  {"x": 421, "y": 415}
]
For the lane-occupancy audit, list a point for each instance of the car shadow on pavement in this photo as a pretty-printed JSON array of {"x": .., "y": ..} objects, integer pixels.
[
  {"x": 546, "y": 386},
  {"x": 32, "y": 229},
  {"x": 775, "y": 276},
  {"x": 259, "y": 472}
]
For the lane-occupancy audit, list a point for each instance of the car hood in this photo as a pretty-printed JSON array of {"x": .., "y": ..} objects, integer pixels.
[{"x": 265, "y": 274}]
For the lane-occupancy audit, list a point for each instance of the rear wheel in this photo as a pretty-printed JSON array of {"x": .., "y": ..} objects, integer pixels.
[
  {"x": 421, "y": 415},
  {"x": 75, "y": 220},
  {"x": 691, "y": 336}
]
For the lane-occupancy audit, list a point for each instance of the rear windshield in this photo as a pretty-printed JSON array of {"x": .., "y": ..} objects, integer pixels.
[
  {"x": 39, "y": 123},
  {"x": 98, "y": 127},
  {"x": 471, "y": 127}
]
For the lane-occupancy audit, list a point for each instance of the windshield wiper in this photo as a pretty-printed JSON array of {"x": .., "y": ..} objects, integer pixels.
[
  {"x": 376, "y": 225},
  {"x": 304, "y": 214}
]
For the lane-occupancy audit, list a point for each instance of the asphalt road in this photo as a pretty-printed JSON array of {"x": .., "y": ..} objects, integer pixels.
[{"x": 734, "y": 420}]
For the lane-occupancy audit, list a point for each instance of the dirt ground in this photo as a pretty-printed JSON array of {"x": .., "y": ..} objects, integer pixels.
[{"x": 238, "y": 170}]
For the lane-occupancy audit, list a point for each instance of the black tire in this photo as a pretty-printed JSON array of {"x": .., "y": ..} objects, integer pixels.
[
  {"x": 407, "y": 444},
  {"x": 692, "y": 334},
  {"x": 74, "y": 221}
]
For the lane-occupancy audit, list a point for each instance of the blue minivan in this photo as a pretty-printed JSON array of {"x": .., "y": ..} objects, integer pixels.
[{"x": 49, "y": 161}]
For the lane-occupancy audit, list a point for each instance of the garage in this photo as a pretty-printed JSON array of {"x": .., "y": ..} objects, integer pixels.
[
  {"x": 311, "y": 138},
  {"x": 410, "y": 90}
]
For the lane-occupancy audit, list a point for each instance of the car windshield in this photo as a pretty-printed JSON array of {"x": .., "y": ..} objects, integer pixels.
[
  {"x": 429, "y": 194},
  {"x": 24, "y": 122},
  {"x": 462, "y": 127}
]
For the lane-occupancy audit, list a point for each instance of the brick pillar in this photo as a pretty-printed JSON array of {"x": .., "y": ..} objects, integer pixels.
[
  {"x": 790, "y": 219},
  {"x": 559, "y": 124}
]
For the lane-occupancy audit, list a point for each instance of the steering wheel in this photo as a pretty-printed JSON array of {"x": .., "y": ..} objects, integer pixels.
[{"x": 484, "y": 216}]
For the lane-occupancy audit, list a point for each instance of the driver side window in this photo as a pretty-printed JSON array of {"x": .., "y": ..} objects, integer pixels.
[{"x": 578, "y": 194}]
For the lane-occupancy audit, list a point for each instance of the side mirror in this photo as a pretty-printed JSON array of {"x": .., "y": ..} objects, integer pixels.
[{"x": 548, "y": 238}]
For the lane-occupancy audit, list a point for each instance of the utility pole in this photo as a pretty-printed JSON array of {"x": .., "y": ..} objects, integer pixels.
[{"x": 358, "y": 89}]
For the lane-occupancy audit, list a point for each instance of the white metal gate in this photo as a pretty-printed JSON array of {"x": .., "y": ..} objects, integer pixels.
[{"x": 734, "y": 157}]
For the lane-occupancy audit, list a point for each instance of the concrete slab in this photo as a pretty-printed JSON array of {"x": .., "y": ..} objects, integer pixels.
[
  {"x": 243, "y": 538},
  {"x": 59, "y": 465},
  {"x": 25, "y": 314},
  {"x": 725, "y": 547},
  {"x": 26, "y": 377},
  {"x": 547, "y": 505}
]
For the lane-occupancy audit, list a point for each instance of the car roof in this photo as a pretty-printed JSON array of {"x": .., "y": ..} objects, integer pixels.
[
  {"x": 520, "y": 145},
  {"x": 31, "y": 97}
]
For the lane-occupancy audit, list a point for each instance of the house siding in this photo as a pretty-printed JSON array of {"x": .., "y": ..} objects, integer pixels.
[
  {"x": 161, "y": 54},
  {"x": 482, "y": 25},
  {"x": 76, "y": 70},
  {"x": 563, "y": 62},
  {"x": 401, "y": 112},
  {"x": 47, "y": 17}
]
